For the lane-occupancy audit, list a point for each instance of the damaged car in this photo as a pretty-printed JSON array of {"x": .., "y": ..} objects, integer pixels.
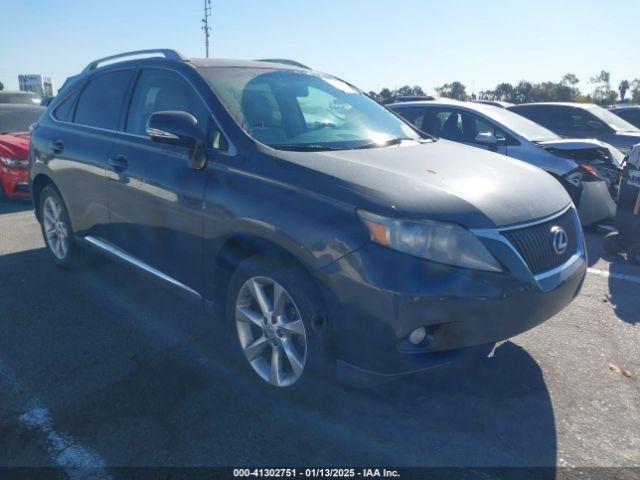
[{"x": 588, "y": 169}]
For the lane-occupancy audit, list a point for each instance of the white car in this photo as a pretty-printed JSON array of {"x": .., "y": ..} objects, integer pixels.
[{"x": 589, "y": 169}]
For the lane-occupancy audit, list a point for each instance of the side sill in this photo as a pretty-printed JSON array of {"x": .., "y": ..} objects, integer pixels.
[{"x": 119, "y": 254}]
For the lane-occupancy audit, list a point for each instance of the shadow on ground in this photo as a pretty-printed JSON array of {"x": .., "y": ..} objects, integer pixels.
[
  {"x": 14, "y": 206},
  {"x": 143, "y": 378},
  {"x": 622, "y": 293}
]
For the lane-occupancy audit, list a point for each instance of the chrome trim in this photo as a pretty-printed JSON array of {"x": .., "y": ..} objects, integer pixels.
[
  {"x": 555, "y": 271},
  {"x": 496, "y": 234},
  {"x": 122, "y": 255},
  {"x": 169, "y": 54}
]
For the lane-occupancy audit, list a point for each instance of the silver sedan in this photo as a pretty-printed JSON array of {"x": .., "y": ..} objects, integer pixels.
[{"x": 589, "y": 169}]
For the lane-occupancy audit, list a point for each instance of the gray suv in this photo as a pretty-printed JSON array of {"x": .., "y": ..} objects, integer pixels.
[{"x": 322, "y": 232}]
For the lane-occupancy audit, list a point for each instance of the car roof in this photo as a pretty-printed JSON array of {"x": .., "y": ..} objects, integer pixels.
[
  {"x": 17, "y": 92},
  {"x": 478, "y": 107},
  {"x": 17, "y": 106},
  {"x": 235, "y": 63},
  {"x": 555, "y": 104},
  {"x": 624, "y": 107}
]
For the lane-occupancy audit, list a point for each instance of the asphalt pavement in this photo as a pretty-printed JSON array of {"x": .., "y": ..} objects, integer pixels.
[{"x": 101, "y": 367}]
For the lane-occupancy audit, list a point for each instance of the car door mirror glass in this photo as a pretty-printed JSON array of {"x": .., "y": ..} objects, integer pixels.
[
  {"x": 486, "y": 138},
  {"x": 180, "y": 129}
]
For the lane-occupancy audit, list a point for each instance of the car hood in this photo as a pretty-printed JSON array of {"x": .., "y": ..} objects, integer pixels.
[
  {"x": 442, "y": 181},
  {"x": 15, "y": 145}
]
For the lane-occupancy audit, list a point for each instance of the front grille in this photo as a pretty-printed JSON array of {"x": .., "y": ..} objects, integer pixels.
[{"x": 535, "y": 243}]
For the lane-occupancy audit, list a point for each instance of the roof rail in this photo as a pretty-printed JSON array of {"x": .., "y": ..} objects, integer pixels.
[
  {"x": 284, "y": 61},
  {"x": 168, "y": 53}
]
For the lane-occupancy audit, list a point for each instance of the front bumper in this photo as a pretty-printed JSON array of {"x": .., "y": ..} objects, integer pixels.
[
  {"x": 15, "y": 181},
  {"x": 595, "y": 204},
  {"x": 380, "y": 296}
]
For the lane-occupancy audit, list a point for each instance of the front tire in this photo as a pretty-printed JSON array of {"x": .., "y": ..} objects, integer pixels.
[
  {"x": 277, "y": 324},
  {"x": 56, "y": 230},
  {"x": 633, "y": 255},
  {"x": 612, "y": 242}
]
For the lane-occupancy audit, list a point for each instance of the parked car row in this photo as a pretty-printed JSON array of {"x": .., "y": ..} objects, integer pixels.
[{"x": 327, "y": 234}]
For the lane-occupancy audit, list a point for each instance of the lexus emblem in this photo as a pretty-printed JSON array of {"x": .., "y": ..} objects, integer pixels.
[{"x": 560, "y": 240}]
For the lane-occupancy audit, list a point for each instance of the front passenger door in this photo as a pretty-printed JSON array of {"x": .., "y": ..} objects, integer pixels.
[{"x": 155, "y": 198}]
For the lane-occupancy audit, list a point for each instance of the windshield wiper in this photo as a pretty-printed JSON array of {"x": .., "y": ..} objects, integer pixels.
[
  {"x": 302, "y": 148},
  {"x": 385, "y": 143}
]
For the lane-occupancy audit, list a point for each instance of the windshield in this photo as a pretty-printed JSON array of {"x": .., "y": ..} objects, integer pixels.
[
  {"x": 520, "y": 125},
  {"x": 20, "y": 98},
  {"x": 611, "y": 119},
  {"x": 293, "y": 110},
  {"x": 19, "y": 119}
]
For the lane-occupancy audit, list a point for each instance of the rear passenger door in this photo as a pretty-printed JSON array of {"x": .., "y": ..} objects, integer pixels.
[
  {"x": 155, "y": 199},
  {"x": 87, "y": 120}
]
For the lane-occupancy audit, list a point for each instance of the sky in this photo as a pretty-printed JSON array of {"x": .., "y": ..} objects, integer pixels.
[{"x": 372, "y": 44}]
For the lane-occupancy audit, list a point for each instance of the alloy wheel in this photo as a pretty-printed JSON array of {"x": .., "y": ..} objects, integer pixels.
[
  {"x": 55, "y": 228},
  {"x": 271, "y": 331}
]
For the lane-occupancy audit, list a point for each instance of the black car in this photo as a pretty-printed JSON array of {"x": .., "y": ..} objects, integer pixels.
[
  {"x": 323, "y": 231},
  {"x": 630, "y": 113},
  {"x": 582, "y": 120}
]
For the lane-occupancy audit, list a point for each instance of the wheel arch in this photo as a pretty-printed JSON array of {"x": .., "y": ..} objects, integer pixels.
[
  {"x": 237, "y": 248},
  {"x": 39, "y": 183}
]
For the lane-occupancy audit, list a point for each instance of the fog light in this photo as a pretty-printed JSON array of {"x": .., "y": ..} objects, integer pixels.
[{"x": 417, "y": 335}]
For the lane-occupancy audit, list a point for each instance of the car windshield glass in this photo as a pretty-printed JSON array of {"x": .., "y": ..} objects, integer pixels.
[
  {"x": 18, "y": 120},
  {"x": 20, "y": 98},
  {"x": 611, "y": 119},
  {"x": 296, "y": 110},
  {"x": 519, "y": 124}
]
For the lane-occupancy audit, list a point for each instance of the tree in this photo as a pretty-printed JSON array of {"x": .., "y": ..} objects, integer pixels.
[
  {"x": 569, "y": 79},
  {"x": 603, "y": 93},
  {"x": 523, "y": 92},
  {"x": 1, "y": 86},
  {"x": 635, "y": 91},
  {"x": 504, "y": 92},
  {"x": 453, "y": 90},
  {"x": 622, "y": 88}
]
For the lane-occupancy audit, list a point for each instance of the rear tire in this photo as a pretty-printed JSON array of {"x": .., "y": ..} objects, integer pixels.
[
  {"x": 612, "y": 242},
  {"x": 3, "y": 197},
  {"x": 278, "y": 326},
  {"x": 56, "y": 230}
]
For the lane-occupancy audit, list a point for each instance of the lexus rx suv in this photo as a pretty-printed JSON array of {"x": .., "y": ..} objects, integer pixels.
[{"x": 325, "y": 233}]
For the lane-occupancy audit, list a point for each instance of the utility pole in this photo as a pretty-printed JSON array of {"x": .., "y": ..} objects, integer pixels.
[{"x": 205, "y": 26}]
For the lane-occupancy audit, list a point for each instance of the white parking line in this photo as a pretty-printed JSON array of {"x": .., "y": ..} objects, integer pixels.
[
  {"x": 78, "y": 462},
  {"x": 615, "y": 275}
]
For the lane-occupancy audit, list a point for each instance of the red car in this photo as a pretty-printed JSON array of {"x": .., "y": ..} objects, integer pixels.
[{"x": 14, "y": 148}]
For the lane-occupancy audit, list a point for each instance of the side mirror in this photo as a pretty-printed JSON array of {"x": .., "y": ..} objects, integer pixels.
[
  {"x": 486, "y": 138},
  {"x": 595, "y": 125},
  {"x": 181, "y": 129}
]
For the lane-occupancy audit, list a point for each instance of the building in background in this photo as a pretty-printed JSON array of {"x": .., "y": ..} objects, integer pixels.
[{"x": 39, "y": 84}]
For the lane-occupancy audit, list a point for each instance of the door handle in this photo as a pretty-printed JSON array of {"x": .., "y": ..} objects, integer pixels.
[
  {"x": 57, "y": 146},
  {"x": 119, "y": 163}
]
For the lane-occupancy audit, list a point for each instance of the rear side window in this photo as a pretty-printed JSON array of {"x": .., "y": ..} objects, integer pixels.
[
  {"x": 64, "y": 111},
  {"x": 100, "y": 103}
]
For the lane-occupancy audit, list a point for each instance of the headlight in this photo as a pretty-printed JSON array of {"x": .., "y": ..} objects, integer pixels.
[
  {"x": 440, "y": 242},
  {"x": 14, "y": 162},
  {"x": 574, "y": 178}
]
